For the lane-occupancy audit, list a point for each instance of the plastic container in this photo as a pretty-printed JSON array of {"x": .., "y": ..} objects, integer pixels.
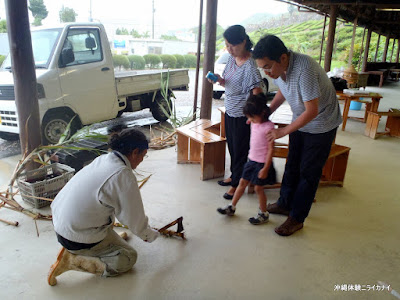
[
  {"x": 44, "y": 182},
  {"x": 212, "y": 77},
  {"x": 354, "y": 105}
]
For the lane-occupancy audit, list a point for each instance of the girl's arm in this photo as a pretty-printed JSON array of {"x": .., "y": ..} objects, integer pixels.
[{"x": 268, "y": 160}]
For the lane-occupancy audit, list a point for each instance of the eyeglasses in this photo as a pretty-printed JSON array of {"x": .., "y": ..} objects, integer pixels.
[{"x": 270, "y": 68}]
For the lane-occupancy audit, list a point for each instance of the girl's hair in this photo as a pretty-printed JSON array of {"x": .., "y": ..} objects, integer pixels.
[
  {"x": 128, "y": 140},
  {"x": 256, "y": 105},
  {"x": 236, "y": 34}
]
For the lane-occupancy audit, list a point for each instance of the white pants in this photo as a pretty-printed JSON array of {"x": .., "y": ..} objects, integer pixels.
[{"x": 116, "y": 253}]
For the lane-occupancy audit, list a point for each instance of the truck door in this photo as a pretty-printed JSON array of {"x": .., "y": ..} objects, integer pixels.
[{"x": 87, "y": 78}]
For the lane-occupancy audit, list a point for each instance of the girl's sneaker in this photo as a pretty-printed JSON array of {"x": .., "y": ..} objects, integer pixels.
[
  {"x": 261, "y": 218},
  {"x": 227, "y": 210}
]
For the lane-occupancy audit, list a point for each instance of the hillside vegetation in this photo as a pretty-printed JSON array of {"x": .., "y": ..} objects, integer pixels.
[{"x": 305, "y": 37}]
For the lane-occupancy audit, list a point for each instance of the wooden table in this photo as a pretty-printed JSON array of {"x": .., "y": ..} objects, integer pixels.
[
  {"x": 370, "y": 106},
  {"x": 396, "y": 71}
]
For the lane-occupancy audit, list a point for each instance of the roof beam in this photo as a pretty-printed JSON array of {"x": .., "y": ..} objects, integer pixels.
[{"x": 381, "y": 4}]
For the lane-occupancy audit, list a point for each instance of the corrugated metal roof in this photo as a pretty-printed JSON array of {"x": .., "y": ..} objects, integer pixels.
[{"x": 381, "y": 16}]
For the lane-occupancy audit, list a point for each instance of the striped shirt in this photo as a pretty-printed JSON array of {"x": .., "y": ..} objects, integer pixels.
[
  {"x": 239, "y": 81},
  {"x": 305, "y": 81}
]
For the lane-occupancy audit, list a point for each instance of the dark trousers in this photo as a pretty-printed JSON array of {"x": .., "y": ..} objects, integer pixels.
[
  {"x": 306, "y": 159},
  {"x": 238, "y": 138}
]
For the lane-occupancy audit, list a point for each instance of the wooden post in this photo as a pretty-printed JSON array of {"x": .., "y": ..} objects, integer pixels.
[
  {"x": 209, "y": 58},
  {"x": 398, "y": 51},
  {"x": 322, "y": 40},
  {"x": 377, "y": 47},
  {"x": 361, "y": 51},
  {"x": 366, "y": 50},
  {"x": 23, "y": 68},
  {"x": 331, "y": 37},
  {"x": 391, "y": 54},
  {"x": 352, "y": 42},
  {"x": 196, "y": 86},
  {"x": 384, "y": 55}
]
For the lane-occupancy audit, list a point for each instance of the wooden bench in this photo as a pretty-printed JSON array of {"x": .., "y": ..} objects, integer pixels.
[
  {"x": 335, "y": 167},
  {"x": 392, "y": 127},
  {"x": 200, "y": 142}
]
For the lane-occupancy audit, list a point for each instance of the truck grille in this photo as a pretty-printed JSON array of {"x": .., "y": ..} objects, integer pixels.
[
  {"x": 7, "y": 92},
  {"x": 8, "y": 118}
]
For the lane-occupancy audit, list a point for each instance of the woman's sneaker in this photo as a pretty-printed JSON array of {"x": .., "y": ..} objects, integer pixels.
[
  {"x": 227, "y": 210},
  {"x": 261, "y": 218}
]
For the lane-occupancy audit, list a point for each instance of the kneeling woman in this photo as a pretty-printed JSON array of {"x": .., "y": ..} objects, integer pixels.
[{"x": 85, "y": 209}]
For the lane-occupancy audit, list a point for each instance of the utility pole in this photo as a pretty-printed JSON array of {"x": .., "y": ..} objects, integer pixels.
[
  {"x": 90, "y": 12},
  {"x": 152, "y": 27}
]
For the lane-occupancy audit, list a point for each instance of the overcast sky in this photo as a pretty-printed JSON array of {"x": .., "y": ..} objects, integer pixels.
[{"x": 169, "y": 14}]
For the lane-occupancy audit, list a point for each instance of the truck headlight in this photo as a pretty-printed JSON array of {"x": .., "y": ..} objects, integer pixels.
[{"x": 40, "y": 91}]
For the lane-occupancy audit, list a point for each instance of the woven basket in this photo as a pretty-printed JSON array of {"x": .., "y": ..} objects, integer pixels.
[
  {"x": 350, "y": 75},
  {"x": 44, "y": 182}
]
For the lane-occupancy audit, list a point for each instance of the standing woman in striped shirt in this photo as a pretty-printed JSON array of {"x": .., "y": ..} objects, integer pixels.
[{"x": 240, "y": 78}]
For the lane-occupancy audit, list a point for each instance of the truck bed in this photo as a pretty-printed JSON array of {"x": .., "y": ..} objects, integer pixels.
[{"x": 133, "y": 83}]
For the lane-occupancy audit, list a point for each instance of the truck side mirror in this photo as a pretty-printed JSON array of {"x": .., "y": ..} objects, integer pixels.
[
  {"x": 90, "y": 43},
  {"x": 67, "y": 56}
]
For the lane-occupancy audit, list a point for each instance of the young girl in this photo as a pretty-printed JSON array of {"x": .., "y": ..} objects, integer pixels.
[{"x": 258, "y": 169}]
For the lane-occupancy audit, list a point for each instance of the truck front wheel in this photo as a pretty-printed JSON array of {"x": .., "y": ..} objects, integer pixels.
[
  {"x": 161, "y": 108},
  {"x": 54, "y": 125}
]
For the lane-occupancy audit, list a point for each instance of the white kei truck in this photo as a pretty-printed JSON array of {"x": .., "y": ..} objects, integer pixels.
[{"x": 75, "y": 77}]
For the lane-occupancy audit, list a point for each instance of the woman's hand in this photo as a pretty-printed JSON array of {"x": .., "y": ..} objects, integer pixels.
[
  {"x": 275, "y": 134},
  {"x": 263, "y": 173},
  {"x": 220, "y": 80}
]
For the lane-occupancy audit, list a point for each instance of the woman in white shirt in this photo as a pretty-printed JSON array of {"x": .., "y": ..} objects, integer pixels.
[{"x": 84, "y": 211}]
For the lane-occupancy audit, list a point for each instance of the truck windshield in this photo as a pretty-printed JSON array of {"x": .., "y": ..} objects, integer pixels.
[{"x": 43, "y": 44}]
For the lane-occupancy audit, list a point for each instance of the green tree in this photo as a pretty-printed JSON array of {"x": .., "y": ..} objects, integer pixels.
[
  {"x": 121, "y": 61},
  {"x": 152, "y": 60},
  {"x": 168, "y": 61},
  {"x": 137, "y": 62},
  {"x": 134, "y": 33},
  {"x": 169, "y": 37},
  {"x": 122, "y": 31},
  {"x": 67, "y": 15},
  {"x": 3, "y": 26},
  {"x": 39, "y": 11},
  {"x": 146, "y": 35},
  {"x": 180, "y": 60},
  {"x": 190, "y": 61},
  {"x": 2, "y": 57}
]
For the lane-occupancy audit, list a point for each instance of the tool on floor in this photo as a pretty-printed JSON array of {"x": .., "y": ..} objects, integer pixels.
[
  {"x": 179, "y": 232},
  {"x": 9, "y": 223},
  {"x": 164, "y": 230}
]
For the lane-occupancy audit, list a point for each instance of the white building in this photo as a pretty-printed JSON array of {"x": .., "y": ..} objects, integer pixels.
[{"x": 125, "y": 44}]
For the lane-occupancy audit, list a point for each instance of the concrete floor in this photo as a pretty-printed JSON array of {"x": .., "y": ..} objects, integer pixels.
[{"x": 350, "y": 237}]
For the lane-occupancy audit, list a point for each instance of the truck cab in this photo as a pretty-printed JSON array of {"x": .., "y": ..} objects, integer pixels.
[{"x": 75, "y": 77}]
